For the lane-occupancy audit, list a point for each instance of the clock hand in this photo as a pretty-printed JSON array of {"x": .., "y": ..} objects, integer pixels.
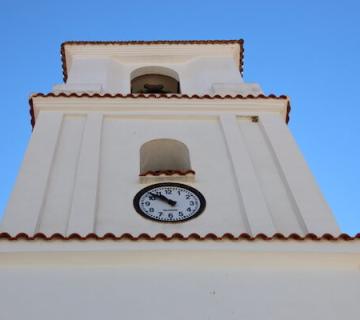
[{"x": 162, "y": 197}]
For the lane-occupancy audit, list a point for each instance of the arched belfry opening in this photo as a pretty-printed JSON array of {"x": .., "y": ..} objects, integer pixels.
[
  {"x": 155, "y": 80},
  {"x": 164, "y": 155}
]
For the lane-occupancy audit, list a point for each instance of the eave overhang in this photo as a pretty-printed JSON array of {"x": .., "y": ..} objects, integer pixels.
[
  {"x": 251, "y": 105},
  {"x": 310, "y": 237}
]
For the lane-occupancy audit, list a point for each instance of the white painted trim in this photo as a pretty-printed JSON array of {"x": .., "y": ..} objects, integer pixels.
[
  {"x": 131, "y": 51},
  {"x": 169, "y": 106},
  {"x": 341, "y": 247}
]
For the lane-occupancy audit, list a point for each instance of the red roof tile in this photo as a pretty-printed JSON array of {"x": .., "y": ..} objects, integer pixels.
[
  {"x": 178, "y": 236},
  {"x": 167, "y": 173}
]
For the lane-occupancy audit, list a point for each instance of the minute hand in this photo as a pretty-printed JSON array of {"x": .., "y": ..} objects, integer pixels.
[{"x": 162, "y": 197}]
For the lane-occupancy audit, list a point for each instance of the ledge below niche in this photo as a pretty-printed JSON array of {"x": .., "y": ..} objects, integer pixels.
[{"x": 168, "y": 175}]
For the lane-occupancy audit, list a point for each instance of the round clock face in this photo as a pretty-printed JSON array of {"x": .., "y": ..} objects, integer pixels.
[{"x": 169, "y": 202}]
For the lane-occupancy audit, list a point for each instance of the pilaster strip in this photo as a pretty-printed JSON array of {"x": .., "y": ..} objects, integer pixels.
[
  {"x": 26, "y": 202},
  {"x": 313, "y": 213},
  {"x": 84, "y": 204},
  {"x": 256, "y": 212}
]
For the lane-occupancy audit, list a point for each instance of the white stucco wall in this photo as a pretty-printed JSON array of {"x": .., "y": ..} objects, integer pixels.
[
  {"x": 81, "y": 170},
  {"x": 80, "y": 174},
  {"x": 108, "y": 69},
  {"x": 179, "y": 280}
]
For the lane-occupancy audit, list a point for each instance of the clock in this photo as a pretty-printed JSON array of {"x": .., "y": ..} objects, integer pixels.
[{"x": 169, "y": 202}]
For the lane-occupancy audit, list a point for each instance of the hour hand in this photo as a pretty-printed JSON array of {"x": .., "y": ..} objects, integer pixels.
[{"x": 162, "y": 197}]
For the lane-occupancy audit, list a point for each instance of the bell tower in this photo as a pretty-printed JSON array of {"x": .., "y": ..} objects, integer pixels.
[
  {"x": 159, "y": 185},
  {"x": 132, "y": 115}
]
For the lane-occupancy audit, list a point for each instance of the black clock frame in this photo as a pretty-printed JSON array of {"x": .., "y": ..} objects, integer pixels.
[{"x": 169, "y": 184}]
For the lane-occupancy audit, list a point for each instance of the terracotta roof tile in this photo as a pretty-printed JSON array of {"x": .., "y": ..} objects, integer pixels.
[
  {"x": 167, "y": 173},
  {"x": 172, "y": 42},
  {"x": 153, "y": 95},
  {"x": 178, "y": 236}
]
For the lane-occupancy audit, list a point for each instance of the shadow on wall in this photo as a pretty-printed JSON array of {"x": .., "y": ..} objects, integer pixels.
[
  {"x": 154, "y": 80},
  {"x": 164, "y": 155}
]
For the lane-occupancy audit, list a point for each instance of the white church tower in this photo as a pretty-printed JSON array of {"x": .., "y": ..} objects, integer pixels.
[
  {"x": 158, "y": 184},
  {"x": 136, "y": 114}
]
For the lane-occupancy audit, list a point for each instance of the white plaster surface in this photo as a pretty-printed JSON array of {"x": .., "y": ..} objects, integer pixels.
[
  {"x": 251, "y": 173},
  {"x": 236, "y": 88},
  {"x": 179, "y": 280},
  {"x": 81, "y": 170},
  {"x": 200, "y": 69},
  {"x": 80, "y": 174}
]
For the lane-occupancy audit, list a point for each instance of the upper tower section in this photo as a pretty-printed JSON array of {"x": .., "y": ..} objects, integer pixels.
[
  {"x": 166, "y": 67},
  {"x": 131, "y": 116}
]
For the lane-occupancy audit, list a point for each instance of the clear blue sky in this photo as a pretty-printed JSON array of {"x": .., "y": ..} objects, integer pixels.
[{"x": 308, "y": 50}]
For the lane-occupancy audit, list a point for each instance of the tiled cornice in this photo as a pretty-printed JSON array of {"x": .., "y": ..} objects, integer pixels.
[
  {"x": 178, "y": 236},
  {"x": 155, "y": 96}
]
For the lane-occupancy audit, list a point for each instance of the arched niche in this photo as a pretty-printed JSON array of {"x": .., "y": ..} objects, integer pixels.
[
  {"x": 164, "y": 155},
  {"x": 153, "y": 79}
]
